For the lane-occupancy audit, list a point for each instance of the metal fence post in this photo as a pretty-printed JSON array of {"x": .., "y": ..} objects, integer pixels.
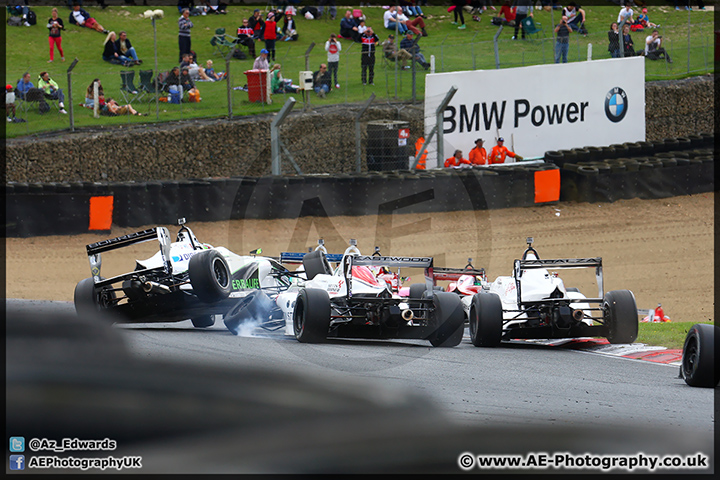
[
  {"x": 70, "y": 100},
  {"x": 358, "y": 133},
  {"x": 275, "y": 137}
]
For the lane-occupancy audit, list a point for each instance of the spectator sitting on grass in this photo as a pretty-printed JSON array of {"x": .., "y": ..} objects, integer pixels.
[
  {"x": 82, "y": 18},
  {"x": 90, "y": 94},
  {"x": 111, "y": 53},
  {"x": 125, "y": 48},
  {"x": 113, "y": 108}
]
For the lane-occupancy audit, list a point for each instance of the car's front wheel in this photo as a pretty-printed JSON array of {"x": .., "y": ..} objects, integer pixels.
[
  {"x": 698, "y": 367},
  {"x": 253, "y": 309},
  {"x": 311, "y": 317},
  {"x": 209, "y": 276}
]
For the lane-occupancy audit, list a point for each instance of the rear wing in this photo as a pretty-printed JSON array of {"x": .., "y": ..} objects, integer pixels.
[
  {"x": 160, "y": 234},
  {"x": 296, "y": 257},
  {"x": 454, "y": 274},
  {"x": 560, "y": 263},
  {"x": 350, "y": 261}
]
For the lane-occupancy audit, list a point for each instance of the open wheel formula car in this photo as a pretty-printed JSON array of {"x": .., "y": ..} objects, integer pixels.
[
  {"x": 533, "y": 303},
  {"x": 185, "y": 279}
]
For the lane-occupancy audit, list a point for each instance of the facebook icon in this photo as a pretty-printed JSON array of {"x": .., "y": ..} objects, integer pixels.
[{"x": 17, "y": 462}]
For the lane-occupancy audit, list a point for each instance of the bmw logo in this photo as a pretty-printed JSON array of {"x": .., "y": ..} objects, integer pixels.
[{"x": 616, "y": 104}]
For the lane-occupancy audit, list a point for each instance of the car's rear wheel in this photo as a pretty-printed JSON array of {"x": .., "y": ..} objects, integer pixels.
[
  {"x": 698, "y": 367},
  {"x": 621, "y": 318},
  {"x": 316, "y": 263},
  {"x": 254, "y": 308},
  {"x": 486, "y": 320},
  {"x": 204, "y": 321},
  {"x": 89, "y": 299},
  {"x": 209, "y": 276},
  {"x": 450, "y": 320},
  {"x": 311, "y": 317}
]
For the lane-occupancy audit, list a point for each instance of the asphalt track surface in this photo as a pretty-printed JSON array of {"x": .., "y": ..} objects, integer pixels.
[{"x": 515, "y": 388}]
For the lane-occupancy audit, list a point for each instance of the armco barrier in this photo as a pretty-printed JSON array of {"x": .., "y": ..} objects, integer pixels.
[{"x": 56, "y": 209}]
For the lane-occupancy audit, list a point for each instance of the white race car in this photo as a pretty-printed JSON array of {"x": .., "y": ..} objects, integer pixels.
[{"x": 533, "y": 303}]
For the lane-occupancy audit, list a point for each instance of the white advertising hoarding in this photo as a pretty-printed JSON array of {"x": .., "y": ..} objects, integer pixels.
[{"x": 541, "y": 107}]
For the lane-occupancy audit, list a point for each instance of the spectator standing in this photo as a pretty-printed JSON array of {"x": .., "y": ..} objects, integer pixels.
[
  {"x": 55, "y": 26},
  {"x": 369, "y": 43},
  {"x": 245, "y": 37},
  {"x": 411, "y": 47},
  {"x": 654, "y": 49},
  {"x": 51, "y": 88},
  {"x": 82, "y": 18},
  {"x": 523, "y": 9},
  {"x": 24, "y": 84},
  {"x": 478, "y": 155},
  {"x": 257, "y": 24},
  {"x": 562, "y": 41},
  {"x": 125, "y": 48},
  {"x": 614, "y": 40},
  {"x": 184, "y": 26},
  {"x": 456, "y": 160},
  {"x": 321, "y": 81},
  {"x": 499, "y": 152},
  {"x": 458, "y": 14},
  {"x": 270, "y": 35},
  {"x": 348, "y": 27},
  {"x": 628, "y": 44},
  {"x": 333, "y": 47},
  {"x": 9, "y": 103},
  {"x": 261, "y": 62}
]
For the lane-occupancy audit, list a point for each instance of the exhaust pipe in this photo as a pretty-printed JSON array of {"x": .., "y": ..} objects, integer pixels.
[
  {"x": 577, "y": 315},
  {"x": 154, "y": 286},
  {"x": 407, "y": 315}
]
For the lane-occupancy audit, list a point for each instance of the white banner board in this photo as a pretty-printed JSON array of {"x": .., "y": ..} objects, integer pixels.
[{"x": 540, "y": 107}]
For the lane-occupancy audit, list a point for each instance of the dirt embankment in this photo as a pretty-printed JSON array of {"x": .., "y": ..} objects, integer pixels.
[{"x": 662, "y": 249}]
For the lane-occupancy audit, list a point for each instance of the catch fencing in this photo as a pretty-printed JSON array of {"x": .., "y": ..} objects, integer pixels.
[{"x": 228, "y": 98}]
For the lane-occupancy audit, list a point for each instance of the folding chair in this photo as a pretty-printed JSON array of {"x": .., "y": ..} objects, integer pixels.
[
  {"x": 223, "y": 43},
  {"x": 44, "y": 102},
  {"x": 147, "y": 86},
  {"x": 127, "y": 89},
  {"x": 531, "y": 28}
]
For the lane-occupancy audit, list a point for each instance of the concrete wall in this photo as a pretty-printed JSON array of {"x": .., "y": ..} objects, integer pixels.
[{"x": 319, "y": 141}]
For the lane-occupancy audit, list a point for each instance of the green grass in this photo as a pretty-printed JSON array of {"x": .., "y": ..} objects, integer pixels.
[
  {"x": 453, "y": 49},
  {"x": 670, "y": 335}
]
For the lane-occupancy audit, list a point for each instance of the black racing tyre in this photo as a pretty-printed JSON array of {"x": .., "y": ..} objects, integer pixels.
[
  {"x": 682, "y": 161},
  {"x": 209, "y": 276},
  {"x": 634, "y": 149},
  {"x": 555, "y": 157},
  {"x": 587, "y": 170},
  {"x": 618, "y": 168},
  {"x": 680, "y": 154},
  {"x": 621, "y": 150},
  {"x": 204, "y": 321},
  {"x": 607, "y": 153},
  {"x": 696, "y": 141},
  {"x": 621, "y": 317},
  {"x": 708, "y": 139},
  {"x": 450, "y": 320},
  {"x": 594, "y": 154},
  {"x": 311, "y": 317},
  {"x": 671, "y": 144},
  {"x": 486, "y": 320},
  {"x": 417, "y": 291},
  {"x": 573, "y": 167},
  {"x": 89, "y": 299},
  {"x": 316, "y": 263},
  {"x": 646, "y": 148},
  {"x": 254, "y": 308},
  {"x": 602, "y": 167},
  {"x": 581, "y": 154},
  {"x": 669, "y": 162},
  {"x": 684, "y": 143},
  {"x": 698, "y": 368}
]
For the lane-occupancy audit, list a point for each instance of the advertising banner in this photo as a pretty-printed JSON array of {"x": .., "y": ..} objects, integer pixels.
[{"x": 540, "y": 107}]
